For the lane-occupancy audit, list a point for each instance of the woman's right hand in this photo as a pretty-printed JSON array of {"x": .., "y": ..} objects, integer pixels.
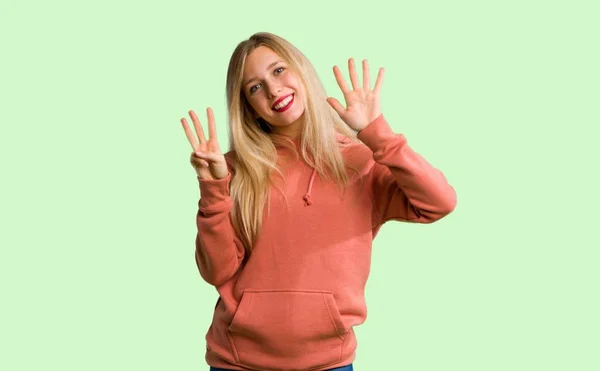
[{"x": 206, "y": 158}]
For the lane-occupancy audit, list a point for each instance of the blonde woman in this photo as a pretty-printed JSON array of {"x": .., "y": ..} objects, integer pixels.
[{"x": 287, "y": 217}]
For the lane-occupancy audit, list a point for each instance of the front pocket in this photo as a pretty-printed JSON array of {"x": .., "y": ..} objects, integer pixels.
[{"x": 287, "y": 329}]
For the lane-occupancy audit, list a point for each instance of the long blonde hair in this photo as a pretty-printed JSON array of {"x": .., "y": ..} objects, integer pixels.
[{"x": 253, "y": 145}]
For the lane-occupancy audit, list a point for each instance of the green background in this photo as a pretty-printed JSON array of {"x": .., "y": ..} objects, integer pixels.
[{"x": 99, "y": 200}]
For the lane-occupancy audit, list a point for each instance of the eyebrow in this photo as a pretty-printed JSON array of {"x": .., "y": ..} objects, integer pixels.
[{"x": 256, "y": 78}]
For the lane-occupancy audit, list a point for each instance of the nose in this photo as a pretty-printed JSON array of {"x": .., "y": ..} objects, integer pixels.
[{"x": 274, "y": 90}]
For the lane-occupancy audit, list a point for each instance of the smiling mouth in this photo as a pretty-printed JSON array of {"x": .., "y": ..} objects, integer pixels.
[{"x": 283, "y": 104}]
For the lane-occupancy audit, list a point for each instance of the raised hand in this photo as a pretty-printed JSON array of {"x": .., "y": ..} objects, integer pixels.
[
  {"x": 206, "y": 158},
  {"x": 362, "y": 103}
]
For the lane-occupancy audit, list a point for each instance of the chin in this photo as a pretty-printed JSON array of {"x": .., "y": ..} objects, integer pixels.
[{"x": 291, "y": 119}]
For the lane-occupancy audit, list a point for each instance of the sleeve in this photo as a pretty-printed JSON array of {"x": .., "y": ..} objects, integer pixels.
[
  {"x": 219, "y": 252},
  {"x": 403, "y": 185}
]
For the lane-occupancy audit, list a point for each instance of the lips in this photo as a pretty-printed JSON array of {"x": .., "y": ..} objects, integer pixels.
[{"x": 280, "y": 100}]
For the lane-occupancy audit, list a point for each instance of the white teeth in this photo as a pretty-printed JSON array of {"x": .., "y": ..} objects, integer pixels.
[{"x": 283, "y": 103}]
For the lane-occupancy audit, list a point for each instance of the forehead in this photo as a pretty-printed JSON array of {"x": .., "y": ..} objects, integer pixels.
[{"x": 258, "y": 60}]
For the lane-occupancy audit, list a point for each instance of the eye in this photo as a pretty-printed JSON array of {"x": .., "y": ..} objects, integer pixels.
[
  {"x": 279, "y": 70},
  {"x": 253, "y": 89}
]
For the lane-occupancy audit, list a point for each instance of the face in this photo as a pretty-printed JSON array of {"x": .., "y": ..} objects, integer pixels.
[{"x": 274, "y": 91}]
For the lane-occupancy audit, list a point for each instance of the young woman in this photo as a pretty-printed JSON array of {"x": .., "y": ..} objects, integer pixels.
[{"x": 287, "y": 217}]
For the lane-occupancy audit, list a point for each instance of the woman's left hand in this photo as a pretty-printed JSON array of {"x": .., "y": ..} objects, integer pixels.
[{"x": 362, "y": 103}]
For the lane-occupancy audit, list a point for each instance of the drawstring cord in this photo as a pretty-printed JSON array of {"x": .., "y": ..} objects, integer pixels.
[{"x": 307, "y": 199}]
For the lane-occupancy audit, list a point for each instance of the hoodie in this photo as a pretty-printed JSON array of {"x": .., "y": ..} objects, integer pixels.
[{"x": 293, "y": 304}]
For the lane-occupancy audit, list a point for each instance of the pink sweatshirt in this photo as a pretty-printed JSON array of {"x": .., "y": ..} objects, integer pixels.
[{"x": 293, "y": 304}]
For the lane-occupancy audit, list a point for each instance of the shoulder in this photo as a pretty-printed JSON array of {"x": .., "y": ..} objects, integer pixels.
[{"x": 356, "y": 154}]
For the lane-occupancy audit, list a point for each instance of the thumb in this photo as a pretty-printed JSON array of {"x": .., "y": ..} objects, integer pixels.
[
  {"x": 337, "y": 106},
  {"x": 209, "y": 156}
]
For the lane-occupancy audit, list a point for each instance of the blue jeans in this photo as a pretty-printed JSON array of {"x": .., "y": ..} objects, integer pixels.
[{"x": 343, "y": 368}]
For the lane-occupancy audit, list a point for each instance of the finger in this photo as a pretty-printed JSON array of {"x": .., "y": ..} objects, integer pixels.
[
  {"x": 379, "y": 80},
  {"x": 366, "y": 77},
  {"x": 340, "y": 80},
  {"x": 212, "y": 130},
  {"x": 336, "y": 105},
  {"x": 190, "y": 136},
  {"x": 198, "y": 127},
  {"x": 353, "y": 75}
]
